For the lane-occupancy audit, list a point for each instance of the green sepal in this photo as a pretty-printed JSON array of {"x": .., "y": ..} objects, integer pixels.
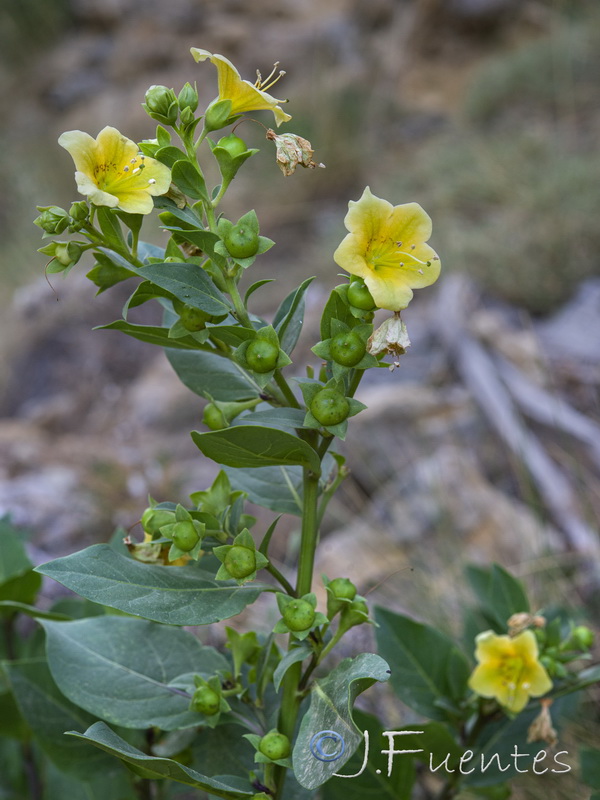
[
  {"x": 251, "y": 221},
  {"x": 334, "y": 604},
  {"x": 245, "y": 649},
  {"x": 188, "y": 179},
  {"x": 228, "y": 164},
  {"x": 182, "y": 515},
  {"x": 179, "y": 331},
  {"x": 350, "y": 617}
]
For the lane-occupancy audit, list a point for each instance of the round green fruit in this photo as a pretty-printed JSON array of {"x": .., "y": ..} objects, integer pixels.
[
  {"x": 360, "y": 297},
  {"x": 262, "y": 356},
  {"x": 233, "y": 144},
  {"x": 343, "y": 588},
  {"x": 240, "y": 561},
  {"x": 581, "y": 637},
  {"x": 299, "y": 615},
  {"x": 241, "y": 241},
  {"x": 275, "y": 745},
  {"x": 347, "y": 349},
  {"x": 193, "y": 319},
  {"x": 214, "y": 418},
  {"x": 206, "y": 701},
  {"x": 329, "y": 407},
  {"x": 185, "y": 536}
]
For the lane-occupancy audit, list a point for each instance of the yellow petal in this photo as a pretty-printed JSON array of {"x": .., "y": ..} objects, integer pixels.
[
  {"x": 538, "y": 679},
  {"x": 490, "y": 646},
  {"x": 389, "y": 289},
  {"x": 82, "y": 149},
  {"x": 244, "y": 95},
  {"x": 89, "y": 188}
]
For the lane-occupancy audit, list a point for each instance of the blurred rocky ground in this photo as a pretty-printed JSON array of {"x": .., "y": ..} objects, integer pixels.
[{"x": 449, "y": 463}]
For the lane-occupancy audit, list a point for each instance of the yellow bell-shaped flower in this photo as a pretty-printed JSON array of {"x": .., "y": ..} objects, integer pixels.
[
  {"x": 386, "y": 247},
  {"x": 509, "y": 669},
  {"x": 112, "y": 172}
]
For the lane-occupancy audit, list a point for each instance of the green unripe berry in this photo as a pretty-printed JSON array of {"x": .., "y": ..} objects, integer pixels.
[
  {"x": 233, "y": 144},
  {"x": 214, "y": 418},
  {"x": 329, "y": 407},
  {"x": 299, "y": 615},
  {"x": 193, "y": 319},
  {"x": 206, "y": 701},
  {"x": 240, "y": 561},
  {"x": 581, "y": 637},
  {"x": 241, "y": 241},
  {"x": 360, "y": 297},
  {"x": 262, "y": 356},
  {"x": 275, "y": 745},
  {"x": 185, "y": 536},
  {"x": 343, "y": 588},
  {"x": 347, "y": 349}
]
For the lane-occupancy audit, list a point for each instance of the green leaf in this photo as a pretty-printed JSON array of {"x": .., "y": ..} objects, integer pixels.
[
  {"x": 18, "y": 583},
  {"x": 499, "y": 594},
  {"x": 186, "y": 215},
  {"x": 13, "y": 558},
  {"x": 11, "y": 720},
  {"x": 290, "y": 316},
  {"x": 330, "y": 709},
  {"x": 284, "y": 419},
  {"x": 110, "y": 226},
  {"x": 103, "y": 737},
  {"x": 373, "y": 783},
  {"x": 233, "y": 335},
  {"x": 278, "y": 488},
  {"x": 152, "y": 334},
  {"x": 590, "y": 766},
  {"x": 119, "y": 669},
  {"x": 187, "y": 178},
  {"x": 144, "y": 292},
  {"x": 251, "y": 289},
  {"x": 174, "y": 595},
  {"x": 31, "y": 611},
  {"x": 256, "y": 446},
  {"x": 335, "y": 309},
  {"x": 49, "y": 714},
  {"x": 292, "y": 656},
  {"x": 212, "y": 376},
  {"x": 106, "y": 274},
  {"x": 421, "y": 657},
  {"x": 189, "y": 283}
]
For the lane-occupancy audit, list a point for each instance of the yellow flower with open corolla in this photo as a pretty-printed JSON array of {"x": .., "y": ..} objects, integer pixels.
[
  {"x": 509, "y": 669},
  {"x": 112, "y": 172},
  {"x": 244, "y": 96},
  {"x": 386, "y": 247}
]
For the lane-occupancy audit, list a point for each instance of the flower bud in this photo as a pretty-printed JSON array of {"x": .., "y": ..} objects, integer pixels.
[
  {"x": 161, "y": 104},
  {"x": 79, "y": 211},
  {"x": 53, "y": 219},
  {"x": 217, "y": 115},
  {"x": 154, "y": 518},
  {"x": 188, "y": 98}
]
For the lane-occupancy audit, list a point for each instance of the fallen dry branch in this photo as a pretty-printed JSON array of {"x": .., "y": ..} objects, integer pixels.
[{"x": 478, "y": 371}]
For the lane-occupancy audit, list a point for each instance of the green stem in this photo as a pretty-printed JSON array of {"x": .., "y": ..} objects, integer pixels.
[
  {"x": 285, "y": 388},
  {"x": 356, "y": 379},
  {"x": 290, "y": 703},
  {"x": 282, "y": 580},
  {"x": 238, "y": 303}
]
